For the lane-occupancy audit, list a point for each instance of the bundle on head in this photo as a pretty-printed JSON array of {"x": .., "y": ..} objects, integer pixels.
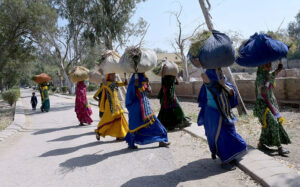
[
  {"x": 134, "y": 55},
  {"x": 41, "y": 78},
  {"x": 213, "y": 50},
  {"x": 197, "y": 43},
  {"x": 261, "y": 49},
  {"x": 171, "y": 68},
  {"x": 110, "y": 62},
  {"x": 138, "y": 60},
  {"x": 78, "y": 73}
]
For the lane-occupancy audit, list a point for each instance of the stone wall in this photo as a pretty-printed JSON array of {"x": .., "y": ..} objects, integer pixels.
[{"x": 287, "y": 89}]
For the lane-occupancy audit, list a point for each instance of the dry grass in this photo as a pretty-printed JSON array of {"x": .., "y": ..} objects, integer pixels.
[{"x": 6, "y": 114}]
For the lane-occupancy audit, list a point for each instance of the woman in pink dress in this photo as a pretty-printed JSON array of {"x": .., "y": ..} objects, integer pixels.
[{"x": 82, "y": 108}]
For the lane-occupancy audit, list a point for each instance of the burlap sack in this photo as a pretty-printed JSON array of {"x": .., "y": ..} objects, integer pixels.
[
  {"x": 171, "y": 68},
  {"x": 144, "y": 59},
  {"x": 110, "y": 62},
  {"x": 78, "y": 73}
]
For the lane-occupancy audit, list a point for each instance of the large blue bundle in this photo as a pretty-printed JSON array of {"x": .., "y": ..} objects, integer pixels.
[
  {"x": 216, "y": 52},
  {"x": 261, "y": 49}
]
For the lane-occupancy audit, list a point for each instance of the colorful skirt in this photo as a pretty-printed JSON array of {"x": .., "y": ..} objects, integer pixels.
[
  {"x": 223, "y": 140},
  {"x": 172, "y": 118},
  {"x": 144, "y": 131},
  {"x": 117, "y": 127}
]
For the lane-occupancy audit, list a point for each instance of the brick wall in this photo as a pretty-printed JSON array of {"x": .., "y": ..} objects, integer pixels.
[{"x": 287, "y": 89}]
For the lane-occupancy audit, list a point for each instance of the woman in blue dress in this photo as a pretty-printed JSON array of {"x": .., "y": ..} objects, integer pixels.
[
  {"x": 216, "y": 100},
  {"x": 144, "y": 127}
]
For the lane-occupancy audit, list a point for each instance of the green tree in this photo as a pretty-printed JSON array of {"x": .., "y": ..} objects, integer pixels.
[
  {"x": 109, "y": 22},
  {"x": 66, "y": 45},
  {"x": 20, "y": 21},
  {"x": 294, "y": 33}
]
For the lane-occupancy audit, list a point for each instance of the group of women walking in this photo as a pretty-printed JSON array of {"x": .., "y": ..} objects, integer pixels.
[{"x": 216, "y": 99}]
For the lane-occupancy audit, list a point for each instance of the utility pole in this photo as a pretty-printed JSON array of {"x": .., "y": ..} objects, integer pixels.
[{"x": 205, "y": 10}]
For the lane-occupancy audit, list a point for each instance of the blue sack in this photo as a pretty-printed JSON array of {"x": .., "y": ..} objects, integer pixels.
[
  {"x": 261, "y": 49},
  {"x": 216, "y": 52}
]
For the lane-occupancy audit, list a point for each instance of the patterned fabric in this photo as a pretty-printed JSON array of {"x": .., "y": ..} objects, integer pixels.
[
  {"x": 223, "y": 140},
  {"x": 144, "y": 127},
  {"x": 171, "y": 114},
  {"x": 82, "y": 109},
  {"x": 267, "y": 110},
  {"x": 113, "y": 121},
  {"x": 45, "y": 99}
]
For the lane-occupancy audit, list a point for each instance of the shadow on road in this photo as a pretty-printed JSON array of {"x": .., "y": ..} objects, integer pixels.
[
  {"x": 63, "y": 151},
  {"x": 196, "y": 170},
  {"x": 88, "y": 160},
  {"x": 52, "y": 109},
  {"x": 44, "y": 131},
  {"x": 71, "y": 137}
]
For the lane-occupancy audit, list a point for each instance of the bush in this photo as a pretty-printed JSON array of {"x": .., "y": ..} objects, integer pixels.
[
  {"x": 11, "y": 96},
  {"x": 91, "y": 87},
  {"x": 64, "y": 89}
]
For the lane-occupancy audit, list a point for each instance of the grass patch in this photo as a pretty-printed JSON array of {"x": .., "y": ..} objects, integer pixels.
[{"x": 6, "y": 115}]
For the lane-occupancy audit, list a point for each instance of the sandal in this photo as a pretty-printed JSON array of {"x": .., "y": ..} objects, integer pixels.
[
  {"x": 132, "y": 147},
  {"x": 228, "y": 166},
  {"x": 163, "y": 144},
  {"x": 282, "y": 151},
  {"x": 262, "y": 147},
  {"x": 98, "y": 136}
]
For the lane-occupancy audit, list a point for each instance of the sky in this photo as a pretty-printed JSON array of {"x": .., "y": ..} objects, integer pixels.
[{"x": 243, "y": 16}]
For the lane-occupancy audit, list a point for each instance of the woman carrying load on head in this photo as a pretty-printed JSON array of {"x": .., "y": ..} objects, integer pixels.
[
  {"x": 267, "y": 110},
  {"x": 45, "y": 97},
  {"x": 78, "y": 75},
  {"x": 82, "y": 107},
  {"x": 259, "y": 51},
  {"x": 113, "y": 122},
  {"x": 216, "y": 99},
  {"x": 144, "y": 126},
  {"x": 171, "y": 114}
]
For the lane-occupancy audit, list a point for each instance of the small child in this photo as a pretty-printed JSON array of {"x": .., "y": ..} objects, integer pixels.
[{"x": 33, "y": 101}]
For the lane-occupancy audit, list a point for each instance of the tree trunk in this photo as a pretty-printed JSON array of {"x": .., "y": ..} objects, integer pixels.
[
  {"x": 70, "y": 85},
  {"x": 241, "y": 107},
  {"x": 186, "y": 71}
]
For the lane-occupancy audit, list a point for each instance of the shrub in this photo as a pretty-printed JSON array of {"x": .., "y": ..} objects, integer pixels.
[
  {"x": 11, "y": 96},
  {"x": 91, "y": 87},
  {"x": 64, "y": 89}
]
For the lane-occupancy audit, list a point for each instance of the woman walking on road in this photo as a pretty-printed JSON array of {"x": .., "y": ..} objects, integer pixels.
[
  {"x": 267, "y": 110},
  {"x": 45, "y": 97},
  {"x": 216, "y": 99},
  {"x": 144, "y": 126},
  {"x": 82, "y": 108},
  {"x": 171, "y": 114},
  {"x": 113, "y": 121}
]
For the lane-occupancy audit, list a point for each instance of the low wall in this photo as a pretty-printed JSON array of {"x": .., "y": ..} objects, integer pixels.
[{"x": 287, "y": 89}]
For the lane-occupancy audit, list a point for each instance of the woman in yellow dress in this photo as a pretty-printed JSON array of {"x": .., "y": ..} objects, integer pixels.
[{"x": 113, "y": 122}]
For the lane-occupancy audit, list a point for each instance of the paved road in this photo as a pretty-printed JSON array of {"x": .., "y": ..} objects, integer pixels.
[{"x": 53, "y": 150}]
